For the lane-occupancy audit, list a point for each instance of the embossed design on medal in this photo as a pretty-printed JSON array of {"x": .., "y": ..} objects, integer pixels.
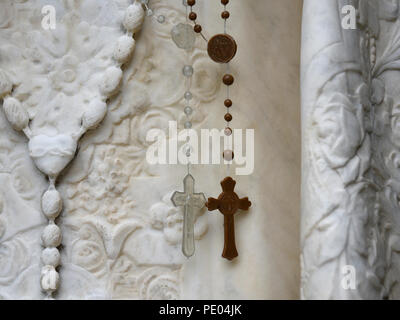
[
  {"x": 222, "y": 48},
  {"x": 52, "y": 150},
  {"x": 184, "y": 38}
]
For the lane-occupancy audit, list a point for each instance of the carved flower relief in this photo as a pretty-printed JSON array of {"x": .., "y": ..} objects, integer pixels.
[
  {"x": 156, "y": 118},
  {"x": 122, "y": 281},
  {"x": 87, "y": 41},
  {"x": 163, "y": 30},
  {"x": 162, "y": 288},
  {"x": 392, "y": 163},
  {"x": 116, "y": 209},
  {"x": 69, "y": 75},
  {"x": 13, "y": 259},
  {"x": 205, "y": 81},
  {"x": 22, "y": 181},
  {"x": 134, "y": 102},
  {"x": 109, "y": 175},
  {"x": 111, "y": 169},
  {"x": 206, "y": 77},
  {"x": 339, "y": 128},
  {"x": 88, "y": 255},
  {"x": 158, "y": 283},
  {"x": 88, "y": 251},
  {"x": 102, "y": 192}
]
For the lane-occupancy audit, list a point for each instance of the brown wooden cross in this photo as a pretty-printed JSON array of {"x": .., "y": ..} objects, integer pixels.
[{"x": 228, "y": 203}]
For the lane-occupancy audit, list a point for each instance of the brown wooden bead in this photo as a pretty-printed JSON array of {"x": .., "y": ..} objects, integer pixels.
[
  {"x": 224, "y": 2},
  {"x": 197, "y": 28},
  {"x": 192, "y": 16},
  {"x": 228, "y": 79},
  {"x": 228, "y": 117},
  {"x": 225, "y": 15},
  {"x": 191, "y": 2},
  {"x": 228, "y": 103}
]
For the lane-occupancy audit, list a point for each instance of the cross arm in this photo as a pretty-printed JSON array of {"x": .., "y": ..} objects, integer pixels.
[
  {"x": 212, "y": 204},
  {"x": 244, "y": 204},
  {"x": 198, "y": 200},
  {"x": 178, "y": 198}
]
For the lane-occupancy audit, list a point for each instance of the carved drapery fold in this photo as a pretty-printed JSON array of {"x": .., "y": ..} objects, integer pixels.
[{"x": 351, "y": 149}]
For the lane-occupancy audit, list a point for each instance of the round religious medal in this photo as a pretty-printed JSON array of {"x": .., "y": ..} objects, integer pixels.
[{"x": 222, "y": 48}]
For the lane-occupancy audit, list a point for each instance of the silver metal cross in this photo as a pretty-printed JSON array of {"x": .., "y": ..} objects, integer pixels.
[{"x": 189, "y": 200}]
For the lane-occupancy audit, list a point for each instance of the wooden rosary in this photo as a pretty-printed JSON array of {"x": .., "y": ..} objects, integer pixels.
[{"x": 222, "y": 49}]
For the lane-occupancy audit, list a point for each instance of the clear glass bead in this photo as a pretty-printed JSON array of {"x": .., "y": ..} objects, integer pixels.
[
  {"x": 184, "y": 2},
  {"x": 187, "y": 150},
  {"x": 161, "y": 19},
  {"x": 187, "y": 71},
  {"x": 183, "y": 36},
  {"x": 188, "y": 125},
  {"x": 149, "y": 12},
  {"x": 228, "y": 131},
  {"x": 188, "y": 95},
  {"x": 228, "y": 155},
  {"x": 188, "y": 110}
]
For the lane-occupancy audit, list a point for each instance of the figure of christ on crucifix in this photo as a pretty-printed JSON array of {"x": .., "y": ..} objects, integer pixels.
[{"x": 228, "y": 203}]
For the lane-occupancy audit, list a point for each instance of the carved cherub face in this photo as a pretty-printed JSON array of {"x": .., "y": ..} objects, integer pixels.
[{"x": 168, "y": 219}]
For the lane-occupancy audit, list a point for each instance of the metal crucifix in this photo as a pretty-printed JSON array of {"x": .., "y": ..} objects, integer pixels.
[
  {"x": 189, "y": 200},
  {"x": 228, "y": 203}
]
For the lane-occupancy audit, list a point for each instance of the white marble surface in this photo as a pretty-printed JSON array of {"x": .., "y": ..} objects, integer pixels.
[
  {"x": 121, "y": 234},
  {"x": 350, "y": 182}
]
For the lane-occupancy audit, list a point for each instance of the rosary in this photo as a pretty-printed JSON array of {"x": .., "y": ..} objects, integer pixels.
[{"x": 221, "y": 48}]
